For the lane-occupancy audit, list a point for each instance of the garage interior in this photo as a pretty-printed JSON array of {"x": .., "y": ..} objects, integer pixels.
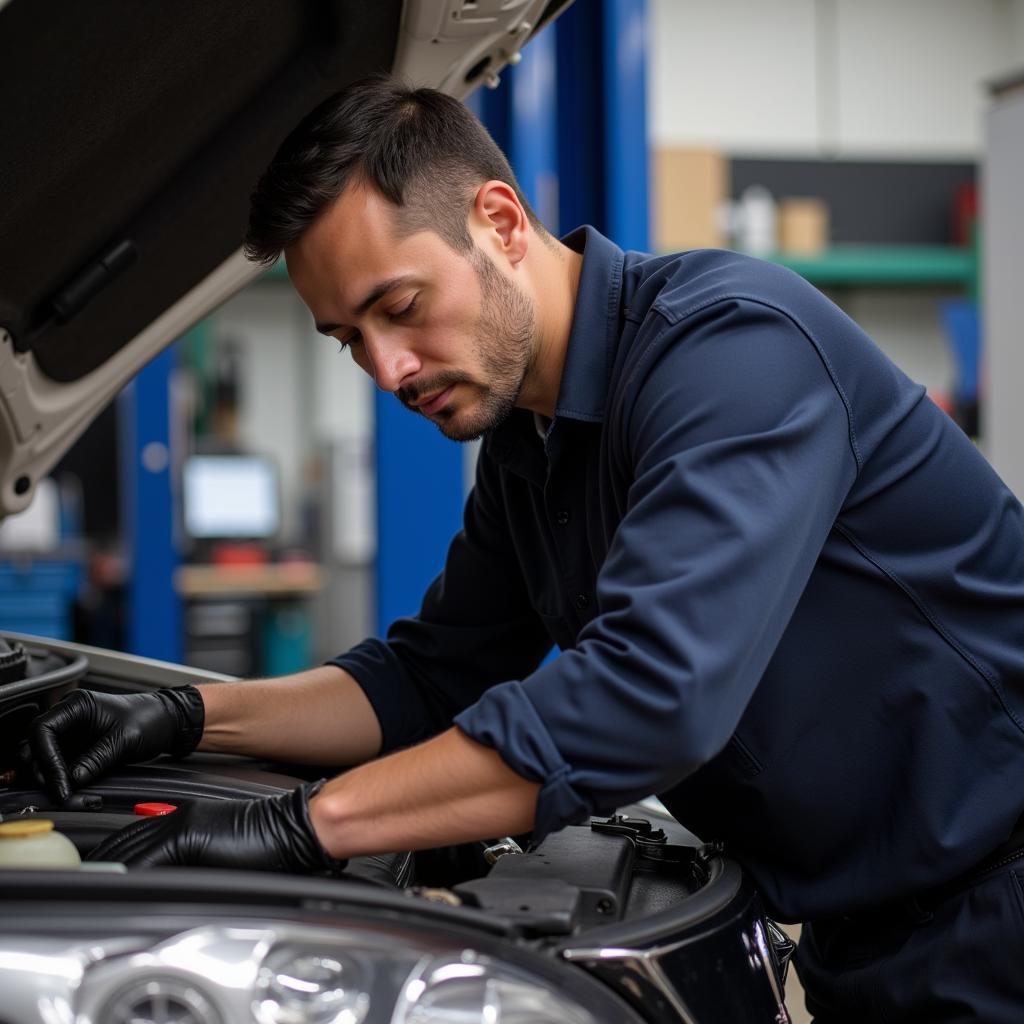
[{"x": 875, "y": 148}]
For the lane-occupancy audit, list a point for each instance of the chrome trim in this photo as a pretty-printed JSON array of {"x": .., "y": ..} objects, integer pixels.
[
  {"x": 783, "y": 947},
  {"x": 768, "y": 962},
  {"x": 501, "y": 848},
  {"x": 130, "y": 667},
  {"x": 643, "y": 962}
]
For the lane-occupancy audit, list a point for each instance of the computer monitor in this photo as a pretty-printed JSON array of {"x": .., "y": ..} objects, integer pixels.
[{"x": 230, "y": 497}]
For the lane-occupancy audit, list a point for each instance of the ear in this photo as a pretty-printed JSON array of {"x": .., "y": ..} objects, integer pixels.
[{"x": 499, "y": 221}]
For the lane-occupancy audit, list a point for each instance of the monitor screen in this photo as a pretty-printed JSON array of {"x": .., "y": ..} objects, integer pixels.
[{"x": 230, "y": 496}]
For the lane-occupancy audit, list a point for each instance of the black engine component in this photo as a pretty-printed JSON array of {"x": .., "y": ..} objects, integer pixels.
[
  {"x": 13, "y": 662},
  {"x": 575, "y": 878},
  {"x": 31, "y": 680}
]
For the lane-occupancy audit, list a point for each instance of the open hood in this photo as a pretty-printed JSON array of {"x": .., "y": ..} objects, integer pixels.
[{"x": 133, "y": 134}]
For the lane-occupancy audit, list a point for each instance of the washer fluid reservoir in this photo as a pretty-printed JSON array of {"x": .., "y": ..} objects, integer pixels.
[{"x": 34, "y": 843}]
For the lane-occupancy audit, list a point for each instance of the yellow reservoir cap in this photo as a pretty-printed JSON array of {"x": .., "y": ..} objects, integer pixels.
[
  {"x": 25, "y": 827},
  {"x": 35, "y": 843}
]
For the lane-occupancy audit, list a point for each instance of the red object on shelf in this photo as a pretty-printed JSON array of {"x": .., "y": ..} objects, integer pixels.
[
  {"x": 965, "y": 213},
  {"x": 239, "y": 554},
  {"x": 154, "y": 809}
]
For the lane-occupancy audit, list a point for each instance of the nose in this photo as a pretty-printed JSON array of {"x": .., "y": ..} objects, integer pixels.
[{"x": 390, "y": 360}]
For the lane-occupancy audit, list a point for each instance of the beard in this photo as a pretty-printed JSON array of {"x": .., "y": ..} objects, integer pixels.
[{"x": 504, "y": 334}]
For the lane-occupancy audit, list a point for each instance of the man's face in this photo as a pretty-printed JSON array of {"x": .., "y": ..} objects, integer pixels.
[{"x": 448, "y": 333}]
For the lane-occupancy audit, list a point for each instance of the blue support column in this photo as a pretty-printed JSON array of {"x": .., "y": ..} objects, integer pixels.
[
  {"x": 575, "y": 111},
  {"x": 602, "y": 119},
  {"x": 491, "y": 106},
  {"x": 625, "y": 139},
  {"x": 533, "y": 135},
  {"x": 581, "y": 184},
  {"x": 521, "y": 115},
  {"x": 419, "y": 506},
  {"x": 153, "y": 619}
]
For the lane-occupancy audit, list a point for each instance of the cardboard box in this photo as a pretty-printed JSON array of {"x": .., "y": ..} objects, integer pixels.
[
  {"x": 803, "y": 226},
  {"x": 690, "y": 188}
]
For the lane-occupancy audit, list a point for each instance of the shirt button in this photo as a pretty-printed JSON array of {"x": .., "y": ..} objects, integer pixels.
[
  {"x": 562, "y": 517},
  {"x": 581, "y": 601}
]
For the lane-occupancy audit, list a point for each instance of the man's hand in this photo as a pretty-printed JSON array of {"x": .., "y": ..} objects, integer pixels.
[
  {"x": 266, "y": 834},
  {"x": 86, "y": 734}
]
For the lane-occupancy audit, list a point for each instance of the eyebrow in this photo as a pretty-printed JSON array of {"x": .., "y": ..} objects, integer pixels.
[{"x": 377, "y": 292}]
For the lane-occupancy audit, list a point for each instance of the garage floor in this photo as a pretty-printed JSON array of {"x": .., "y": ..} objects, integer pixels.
[{"x": 794, "y": 993}]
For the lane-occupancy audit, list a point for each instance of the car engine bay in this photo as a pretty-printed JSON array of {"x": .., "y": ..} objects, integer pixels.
[{"x": 612, "y": 896}]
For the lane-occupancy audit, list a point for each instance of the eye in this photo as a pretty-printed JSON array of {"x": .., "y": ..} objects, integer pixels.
[
  {"x": 407, "y": 310},
  {"x": 347, "y": 341}
]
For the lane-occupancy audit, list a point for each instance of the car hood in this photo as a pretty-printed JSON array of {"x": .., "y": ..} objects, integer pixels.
[{"x": 133, "y": 136}]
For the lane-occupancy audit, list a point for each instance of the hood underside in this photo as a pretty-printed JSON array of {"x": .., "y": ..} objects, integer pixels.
[{"x": 133, "y": 134}]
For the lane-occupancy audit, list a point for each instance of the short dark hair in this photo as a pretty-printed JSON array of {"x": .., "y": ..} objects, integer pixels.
[{"x": 421, "y": 149}]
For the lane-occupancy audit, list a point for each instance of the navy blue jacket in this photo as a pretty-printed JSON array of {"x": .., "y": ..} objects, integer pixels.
[{"x": 787, "y": 590}]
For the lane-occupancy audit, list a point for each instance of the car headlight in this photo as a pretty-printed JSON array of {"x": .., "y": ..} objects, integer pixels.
[
  {"x": 295, "y": 987},
  {"x": 472, "y": 988},
  {"x": 276, "y": 972}
]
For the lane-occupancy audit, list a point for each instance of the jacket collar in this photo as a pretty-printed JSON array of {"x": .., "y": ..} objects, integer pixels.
[{"x": 596, "y": 326}]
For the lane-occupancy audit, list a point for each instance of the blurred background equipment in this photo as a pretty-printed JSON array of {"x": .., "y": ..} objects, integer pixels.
[
  {"x": 41, "y": 558},
  {"x": 230, "y": 497}
]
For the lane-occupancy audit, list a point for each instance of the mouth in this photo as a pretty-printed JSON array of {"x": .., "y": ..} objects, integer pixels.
[{"x": 432, "y": 405}]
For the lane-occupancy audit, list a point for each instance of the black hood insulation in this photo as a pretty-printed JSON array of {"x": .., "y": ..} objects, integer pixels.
[{"x": 133, "y": 135}]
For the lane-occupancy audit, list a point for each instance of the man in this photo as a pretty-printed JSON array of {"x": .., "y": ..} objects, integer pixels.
[{"x": 788, "y": 592}]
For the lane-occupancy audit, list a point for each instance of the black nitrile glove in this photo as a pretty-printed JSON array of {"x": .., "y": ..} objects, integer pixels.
[
  {"x": 86, "y": 734},
  {"x": 266, "y": 834}
]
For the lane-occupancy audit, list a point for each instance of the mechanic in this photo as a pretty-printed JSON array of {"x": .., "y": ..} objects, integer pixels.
[{"x": 787, "y": 591}]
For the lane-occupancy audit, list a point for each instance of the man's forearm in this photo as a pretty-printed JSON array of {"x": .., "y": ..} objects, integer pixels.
[
  {"x": 320, "y": 717},
  {"x": 450, "y": 789}
]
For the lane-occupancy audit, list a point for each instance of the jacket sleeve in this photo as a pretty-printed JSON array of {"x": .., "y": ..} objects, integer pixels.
[
  {"x": 738, "y": 445},
  {"x": 476, "y": 627}
]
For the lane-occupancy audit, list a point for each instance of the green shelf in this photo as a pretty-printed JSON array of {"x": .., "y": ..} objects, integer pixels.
[{"x": 886, "y": 265}]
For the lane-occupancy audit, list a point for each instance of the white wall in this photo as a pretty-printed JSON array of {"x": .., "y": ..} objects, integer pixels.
[
  {"x": 1004, "y": 277},
  {"x": 875, "y": 79},
  {"x": 298, "y": 393},
  {"x": 732, "y": 73},
  {"x": 342, "y": 395},
  {"x": 262, "y": 322},
  {"x": 1012, "y": 38},
  {"x": 854, "y": 78}
]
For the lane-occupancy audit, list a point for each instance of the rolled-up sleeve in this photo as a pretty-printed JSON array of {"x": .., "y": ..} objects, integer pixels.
[{"x": 739, "y": 448}]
